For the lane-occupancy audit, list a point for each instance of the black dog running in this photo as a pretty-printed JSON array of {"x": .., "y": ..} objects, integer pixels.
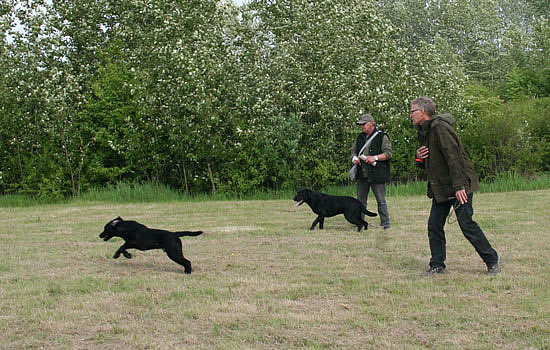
[
  {"x": 138, "y": 236},
  {"x": 326, "y": 205}
]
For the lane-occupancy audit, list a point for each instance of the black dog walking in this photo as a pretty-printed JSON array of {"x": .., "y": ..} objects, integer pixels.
[
  {"x": 326, "y": 205},
  {"x": 138, "y": 236}
]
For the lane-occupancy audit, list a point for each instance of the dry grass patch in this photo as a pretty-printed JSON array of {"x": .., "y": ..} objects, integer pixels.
[{"x": 262, "y": 280}]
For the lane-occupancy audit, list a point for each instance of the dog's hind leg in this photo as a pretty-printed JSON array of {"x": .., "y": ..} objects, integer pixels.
[
  {"x": 355, "y": 218},
  {"x": 175, "y": 253},
  {"x": 360, "y": 226}
]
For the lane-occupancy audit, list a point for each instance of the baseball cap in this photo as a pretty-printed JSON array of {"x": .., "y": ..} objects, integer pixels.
[{"x": 365, "y": 118}]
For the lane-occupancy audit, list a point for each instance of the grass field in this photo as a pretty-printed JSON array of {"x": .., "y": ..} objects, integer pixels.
[{"x": 262, "y": 280}]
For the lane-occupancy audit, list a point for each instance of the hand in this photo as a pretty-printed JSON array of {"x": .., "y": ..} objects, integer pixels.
[
  {"x": 461, "y": 196},
  {"x": 355, "y": 160},
  {"x": 370, "y": 160},
  {"x": 423, "y": 152}
]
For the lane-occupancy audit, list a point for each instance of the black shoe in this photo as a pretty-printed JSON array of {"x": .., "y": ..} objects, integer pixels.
[
  {"x": 435, "y": 270},
  {"x": 494, "y": 268}
]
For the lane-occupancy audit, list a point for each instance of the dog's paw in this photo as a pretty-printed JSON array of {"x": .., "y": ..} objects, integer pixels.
[{"x": 127, "y": 255}]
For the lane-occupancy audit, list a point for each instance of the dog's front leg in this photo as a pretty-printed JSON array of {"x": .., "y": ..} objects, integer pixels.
[
  {"x": 122, "y": 250},
  {"x": 321, "y": 220}
]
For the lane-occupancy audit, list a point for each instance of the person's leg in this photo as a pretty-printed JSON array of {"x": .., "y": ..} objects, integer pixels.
[
  {"x": 473, "y": 232},
  {"x": 379, "y": 191},
  {"x": 436, "y": 232},
  {"x": 363, "y": 192}
]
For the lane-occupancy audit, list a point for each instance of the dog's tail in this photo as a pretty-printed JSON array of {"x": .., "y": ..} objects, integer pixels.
[
  {"x": 187, "y": 233},
  {"x": 366, "y": 211}
]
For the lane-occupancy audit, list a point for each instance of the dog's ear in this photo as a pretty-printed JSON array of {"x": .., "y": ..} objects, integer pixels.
[{"x": 116, "y": 221}]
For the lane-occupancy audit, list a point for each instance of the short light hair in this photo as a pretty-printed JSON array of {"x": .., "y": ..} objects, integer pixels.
[{"x": 426, "y": 104}]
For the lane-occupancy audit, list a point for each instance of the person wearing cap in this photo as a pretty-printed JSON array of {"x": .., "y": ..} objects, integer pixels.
[
  {"x": 452, "y": 181},
  {"x": 373, "y": 165}
]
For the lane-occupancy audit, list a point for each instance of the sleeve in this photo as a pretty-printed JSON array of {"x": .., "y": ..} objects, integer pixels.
[
  {"x": 452, "y": 152},
  {"x": 354, "y": 149},
  {"x": 386, "y": 147}
]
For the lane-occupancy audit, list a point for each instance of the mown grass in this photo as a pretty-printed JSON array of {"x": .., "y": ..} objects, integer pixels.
[{"x": 262, "y": 280}]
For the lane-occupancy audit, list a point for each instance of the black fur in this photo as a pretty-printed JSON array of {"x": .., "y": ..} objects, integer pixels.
[
  {"x": 138, "y": 236},
  {"x": 326, "y": 205}
]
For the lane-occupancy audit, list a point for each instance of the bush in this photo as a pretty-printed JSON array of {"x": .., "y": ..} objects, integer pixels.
[{"x": 504, "y": 137}]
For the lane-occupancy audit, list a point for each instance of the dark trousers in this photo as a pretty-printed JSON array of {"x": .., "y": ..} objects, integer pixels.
[
  {"x": 379, "y": 190},
  {"x": 470, "y": 229}
]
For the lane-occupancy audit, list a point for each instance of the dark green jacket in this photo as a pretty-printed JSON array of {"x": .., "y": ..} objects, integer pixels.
[{"x": 448, "y": 167}]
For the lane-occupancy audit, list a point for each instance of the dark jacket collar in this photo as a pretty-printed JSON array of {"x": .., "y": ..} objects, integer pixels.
[{"x": 443, "y": 118}]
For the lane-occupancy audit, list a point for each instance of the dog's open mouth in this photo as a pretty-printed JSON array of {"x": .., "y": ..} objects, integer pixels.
[{"x": 298, "y": 203}]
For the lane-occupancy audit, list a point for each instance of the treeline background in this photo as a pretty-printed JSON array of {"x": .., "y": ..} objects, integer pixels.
[{"x": 205, "y": 96}]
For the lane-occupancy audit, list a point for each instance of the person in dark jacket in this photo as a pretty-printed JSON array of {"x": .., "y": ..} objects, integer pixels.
[
  {"x": 452, "y": 180},
  {"x": 373, "y": 163}
]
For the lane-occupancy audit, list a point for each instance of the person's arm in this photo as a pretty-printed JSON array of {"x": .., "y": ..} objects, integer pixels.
[
  {"x": 451, "y": 149},
  {"x": 354, "y": 155},
  {"x": 386, "y": 154}
]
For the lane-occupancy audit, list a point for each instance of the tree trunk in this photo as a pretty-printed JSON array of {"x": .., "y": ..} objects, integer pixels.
[{"x": 211, "y": 177}]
